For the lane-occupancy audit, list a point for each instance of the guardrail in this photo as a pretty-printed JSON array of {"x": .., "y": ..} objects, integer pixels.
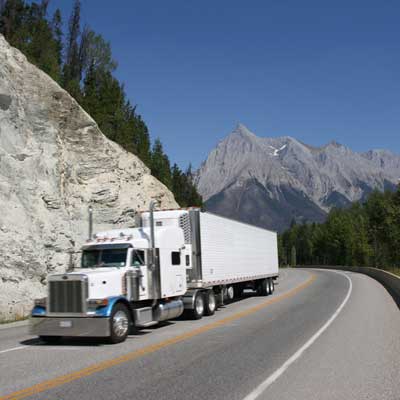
[{"x": 390, "y": 281}]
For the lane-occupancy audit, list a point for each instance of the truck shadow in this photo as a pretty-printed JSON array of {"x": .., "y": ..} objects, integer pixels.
[
  {"x": 93, "y": 341},
  {"x": 97, "y": 342}
]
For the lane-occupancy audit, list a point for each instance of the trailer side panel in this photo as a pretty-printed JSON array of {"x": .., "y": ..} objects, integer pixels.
[{"x": 232, "y": 251}]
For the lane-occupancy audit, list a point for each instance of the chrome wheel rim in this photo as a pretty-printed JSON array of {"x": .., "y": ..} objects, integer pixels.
[
  {"x": 211, "y": 302},
  {"x": 120, "y": 323},
  {"x": 199, "y": 305},
  {"x": 230, "y": 292}
]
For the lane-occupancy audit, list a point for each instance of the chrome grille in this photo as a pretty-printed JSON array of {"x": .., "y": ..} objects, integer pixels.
[{"x": 67, "y": 296}]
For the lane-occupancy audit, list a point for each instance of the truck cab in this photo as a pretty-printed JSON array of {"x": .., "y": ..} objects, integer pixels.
[{"x": 119, "y": 268}]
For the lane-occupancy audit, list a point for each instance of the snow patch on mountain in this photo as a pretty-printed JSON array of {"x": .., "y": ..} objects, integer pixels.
[{"x": 283, "y": 170}]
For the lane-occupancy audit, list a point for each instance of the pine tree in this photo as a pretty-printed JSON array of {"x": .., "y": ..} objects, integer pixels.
[
  {"x": 56, "y": 27},
  {"x": 13, "y": 23},
  {"x": 42, "y": 48},
  {"x": 160, "y": 166},
  {"x": 72, "y": 68}
]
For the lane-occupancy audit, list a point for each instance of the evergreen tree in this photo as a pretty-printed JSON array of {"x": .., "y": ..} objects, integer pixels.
[
  {"x": 72, "y": 68},
  {"x": 25, "y": 26},
  {"x": 160, "y": 166},
  {"x": 42, "y": 48},
  {"x": 56, "y": 27},
  {"x": 13, "y": 22},
  {"x": 365, "y": 234},
  {"x": 141, "y": 138}
]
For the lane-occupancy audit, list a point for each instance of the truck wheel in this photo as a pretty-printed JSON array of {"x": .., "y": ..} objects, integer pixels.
[
  {"x": 263, "y": 287},
  {"x": 238, "y": 290},
  {"x": 50, "y": 339},
  {"x": 230, "y": 293},
  {"x": 271, "y": 285},
  {"x": 119, "y": 323},
  {"x": 210, "y": 303},
  {"x": 198, "y": 310}
]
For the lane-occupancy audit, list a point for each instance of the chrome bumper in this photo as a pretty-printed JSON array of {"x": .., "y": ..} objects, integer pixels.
[{"x": 83, "y": 327}]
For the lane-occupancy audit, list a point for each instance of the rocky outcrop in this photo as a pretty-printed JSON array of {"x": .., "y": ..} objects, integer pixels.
[
  {"x": 54, "y": 162},
  {"x": 271, "y": 181}
]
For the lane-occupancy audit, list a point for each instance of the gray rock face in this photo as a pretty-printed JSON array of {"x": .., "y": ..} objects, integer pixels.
[
  {"x": 270, "y": 181},
  {"x": 54, "y": 161}
]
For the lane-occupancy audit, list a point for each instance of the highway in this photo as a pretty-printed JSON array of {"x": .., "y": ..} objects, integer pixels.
[{"x": 321, "y": 335}]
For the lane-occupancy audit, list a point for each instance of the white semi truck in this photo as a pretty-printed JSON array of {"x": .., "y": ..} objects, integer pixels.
[{"x": 177, "y": 261}]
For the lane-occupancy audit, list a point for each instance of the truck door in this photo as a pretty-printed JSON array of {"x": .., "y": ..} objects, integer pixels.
[{"x": 173, "y": 272}]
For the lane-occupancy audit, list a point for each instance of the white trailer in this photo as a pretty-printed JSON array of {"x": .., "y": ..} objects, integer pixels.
[{"x": 177, "y": 261}]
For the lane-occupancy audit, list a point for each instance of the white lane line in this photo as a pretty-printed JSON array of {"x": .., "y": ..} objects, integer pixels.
[
  {"x": 272, "y": 378},
  {"x": 14, "y": 349}
]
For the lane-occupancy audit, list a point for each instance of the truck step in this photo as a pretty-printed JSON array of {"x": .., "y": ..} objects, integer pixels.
[{"x": 147, "y": 324}]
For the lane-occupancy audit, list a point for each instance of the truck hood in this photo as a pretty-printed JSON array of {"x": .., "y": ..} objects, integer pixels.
[{"x": 103, "y": 282}]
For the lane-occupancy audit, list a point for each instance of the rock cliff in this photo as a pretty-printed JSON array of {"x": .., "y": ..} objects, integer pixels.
[{"x": 54, "y": 162}]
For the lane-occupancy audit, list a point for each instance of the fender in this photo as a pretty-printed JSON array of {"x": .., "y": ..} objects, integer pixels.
[
  {"x": 105, "y": 311},
  {"x": 188, "y": 298}
]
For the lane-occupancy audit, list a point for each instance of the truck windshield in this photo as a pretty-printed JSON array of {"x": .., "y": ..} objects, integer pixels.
[{"x": 104, "y": 258}]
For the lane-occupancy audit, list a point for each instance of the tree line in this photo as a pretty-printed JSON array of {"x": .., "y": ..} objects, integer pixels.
[
  {"x": 81, "y": 61},
  {"x": 365, "y": 234}
]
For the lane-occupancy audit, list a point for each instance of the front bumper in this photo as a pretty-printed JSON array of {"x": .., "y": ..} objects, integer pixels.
[{"x": 65, "y": 326}]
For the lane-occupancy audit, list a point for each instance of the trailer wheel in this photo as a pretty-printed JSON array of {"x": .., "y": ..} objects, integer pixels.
[
  {"x": 238, "y": 290},
  {"x": 272, "y": 285},
  {"x": 198, "y": 310},
  {"x": 230, "y": 293},
  {"x": 263, "y": 288},
  {"x": 50, "y": 339},
  {"x": 210, "y": 303},
  {"x": 119, "y": 323}
]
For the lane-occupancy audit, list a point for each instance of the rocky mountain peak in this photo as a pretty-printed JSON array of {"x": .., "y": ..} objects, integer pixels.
[
  {"x": 243, "y": 131},
  {"x": 269, "y": 181}
]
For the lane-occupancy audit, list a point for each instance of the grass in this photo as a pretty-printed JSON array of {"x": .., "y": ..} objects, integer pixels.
[{"x": 393, "y": 270}]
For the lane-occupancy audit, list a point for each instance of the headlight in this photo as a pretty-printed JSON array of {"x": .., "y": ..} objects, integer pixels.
[{"x": 98, "y": 302}]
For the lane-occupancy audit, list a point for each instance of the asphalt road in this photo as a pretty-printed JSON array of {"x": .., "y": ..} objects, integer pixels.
[{"x": 322, "y": 335}]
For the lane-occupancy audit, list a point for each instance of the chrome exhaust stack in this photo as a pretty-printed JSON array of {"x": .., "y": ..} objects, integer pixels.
[
  {"x": 90, "y": 211},
  {"x": 152, "y": 263},
  {"x": 153, "y": 204}
]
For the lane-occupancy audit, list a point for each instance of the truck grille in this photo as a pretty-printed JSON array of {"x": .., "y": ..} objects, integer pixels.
[{"x": 67, "y": 296}]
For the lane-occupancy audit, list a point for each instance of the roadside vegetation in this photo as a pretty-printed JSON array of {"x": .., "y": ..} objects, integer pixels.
[
  {"x": 81, "y": 61},
  {"x": 17, "y": 318},
  {"x": 365, "y": 234}
]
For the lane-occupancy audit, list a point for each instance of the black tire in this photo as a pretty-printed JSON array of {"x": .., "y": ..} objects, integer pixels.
[
  {"x": 50, "y": 339},
  {"x": 263, "y": 287},
  {"x": 269, "y": 285},
  {"x": 199, "y": 306},
  {"x": 119, "y": 323},
  {"x": 238, "y": 289},
  {"x": 272, "y": 286},
  {"x": 210, "y": 303}
]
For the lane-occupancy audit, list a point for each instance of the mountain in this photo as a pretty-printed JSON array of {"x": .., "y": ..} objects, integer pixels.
[
  {"x": 54, "y": 161},
  {"x": 271, "y": 181}
]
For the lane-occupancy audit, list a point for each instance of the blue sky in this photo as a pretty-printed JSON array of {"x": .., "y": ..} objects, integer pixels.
[{"x": 314, "y": 70}]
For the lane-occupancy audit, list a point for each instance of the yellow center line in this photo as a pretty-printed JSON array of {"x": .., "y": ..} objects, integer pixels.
[{"x": 101, "y": 366}]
